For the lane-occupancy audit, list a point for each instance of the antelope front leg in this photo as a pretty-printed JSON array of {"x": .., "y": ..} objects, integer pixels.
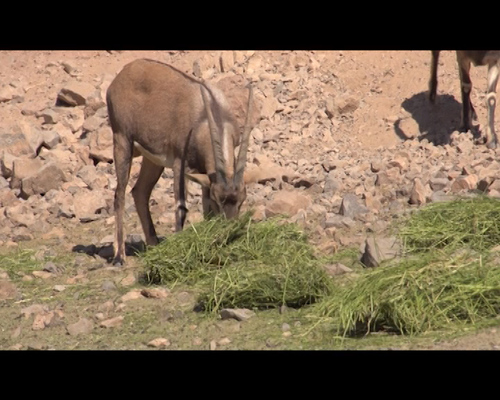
[
  {"x": 149, "y": 175},
  {"x": 179, "y": 194},
  {"x": 491, "y": 99}
]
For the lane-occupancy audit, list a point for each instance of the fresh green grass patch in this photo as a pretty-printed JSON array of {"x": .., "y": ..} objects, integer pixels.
[
  {"x": 19, "y": 261},
  {"x": 240, "y": 263},
  {"x": 447, "y": 278}
]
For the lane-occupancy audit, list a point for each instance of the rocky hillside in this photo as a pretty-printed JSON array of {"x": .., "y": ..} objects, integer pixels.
[{"x": 342, "y": 140}]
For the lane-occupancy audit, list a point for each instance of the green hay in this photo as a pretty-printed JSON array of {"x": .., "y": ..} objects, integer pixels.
[
  {"x": 447, "y": 277},
  {"x": 242, "y": 264}
]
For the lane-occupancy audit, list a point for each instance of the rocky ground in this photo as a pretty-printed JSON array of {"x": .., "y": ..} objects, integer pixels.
[{"x": 343, "y": 141}]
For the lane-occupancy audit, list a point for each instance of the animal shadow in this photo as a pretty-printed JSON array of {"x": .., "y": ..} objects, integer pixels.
[
  {"x": 132, "y": 248},
  {"x": 436, "y": 122}
]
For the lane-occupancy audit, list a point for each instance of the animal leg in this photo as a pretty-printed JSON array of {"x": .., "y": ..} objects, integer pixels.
[
  {"x": 433, "y": 80},
  {"x": 148, "y": 176},
  {"x": 468, "y": 111},
  {"x": 493, "y": 73},
  {"x": 179, "y": 194},
  {"x": 122, "y": 154}
]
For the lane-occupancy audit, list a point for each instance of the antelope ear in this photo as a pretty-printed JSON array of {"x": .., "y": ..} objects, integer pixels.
[{"x": 201, "y": 179}]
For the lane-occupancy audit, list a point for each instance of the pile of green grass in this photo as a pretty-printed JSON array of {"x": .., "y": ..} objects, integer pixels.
[
  {"x": 240, "y": 263},
  {"x": 447, "y": 277}
]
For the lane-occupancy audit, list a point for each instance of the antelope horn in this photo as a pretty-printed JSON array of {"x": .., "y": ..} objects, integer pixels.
[
  {"x": 214, "y": 135},
  {"x": 242, "y": 155}
]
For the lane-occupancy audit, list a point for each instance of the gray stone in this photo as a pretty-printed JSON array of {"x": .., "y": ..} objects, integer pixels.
[
  {"x": 239, "y": 314},
  {"x": 380, "y": 249},
  {"x": 350, "y": 207}
]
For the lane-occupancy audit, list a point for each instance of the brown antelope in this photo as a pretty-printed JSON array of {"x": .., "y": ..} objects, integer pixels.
[
  {"x": 173, "y": 119},
  {"x": 464, "y": 59}
]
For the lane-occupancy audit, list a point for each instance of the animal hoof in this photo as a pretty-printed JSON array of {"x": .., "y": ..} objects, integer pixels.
[
  {"x": 492, "y": 145},
  {"x": 118, "y": 262}
]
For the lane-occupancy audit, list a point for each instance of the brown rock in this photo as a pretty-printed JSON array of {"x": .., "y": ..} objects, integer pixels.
[
  {"x": 237, "y": 97},
  {"x": 132, "y": 295},
  {"x": 42, "y": 320},
  {"x": 75, "y": 93},
  {"x": 112, "y": 322},
  {"x": 7, "y": 290},
  {"x": 159, "y": 343},
  {"x": 288, "y": 203},
  {"x": 50, "y": 176},
  {"x": 101, "y": 144},
  {"x": 83, "y": 326},
  {"x": 33, "y": 309},
  {"x": 464, "y": 182},
  {"x": 418, "y": 193},
  {"x": 15, "y": 144},
  {"x": 88, "y": 204},
  {"x": 22, "y": 168}
]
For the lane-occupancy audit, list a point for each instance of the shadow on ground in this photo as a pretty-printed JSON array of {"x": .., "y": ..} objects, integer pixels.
[
  {"x": 436, "y": 122},
  {"x": 107, "y": 252}
]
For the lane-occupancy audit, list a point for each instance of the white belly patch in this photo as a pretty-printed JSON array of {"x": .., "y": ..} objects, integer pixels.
[{"x": 164, "y": 160}]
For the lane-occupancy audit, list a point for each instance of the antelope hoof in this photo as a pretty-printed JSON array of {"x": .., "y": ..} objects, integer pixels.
[
  {"x": 492, "y": 144},
  {"x": 118, "y": 262}
]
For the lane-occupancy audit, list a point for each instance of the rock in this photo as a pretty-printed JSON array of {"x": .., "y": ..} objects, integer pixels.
[
  {"x": 22, "y": 168},
  {"x": 418, "y": 194},
  {"x": 15, "y": 144},
  {"x": 92, "y": 123},
  {"x": 129, "y": 280},
  {"x": 20, "y": 215},
  {"x": 101, "y": 144},
  {"x": 59, "y": 288},
  {"x": 42, "y": 320},
  {"x": 224, "y": 341},
  {"x": 51, "y": 139},
  {"x": 464, "y": 182},
  {"x": 88, "y": 204},
  {"x": 50, "y": 116},
  {"x": 380, "y": 249},
  {"x": 50, "y": 176},
  {"x": 332, "y": 185},
  {"x": 438, "y": 183},
  {"x": 350, "y": 207},
  {"x": 8, "y": 93},
  {"x": 159, "y": 343},
  {"x": 7, "y": 290},
  {"x": 42, "y": 274},
  {"x": 33, "y": 309},
  {"x": 239, "y": 314},
  {"x": 236, "y": 94},
  {"x": 82, "y": 327},
  {"x": 336, "y": 269},
  {"x": 112, "y": 322},
  {"x": 155, "y": 293},
  {"x": 132, "y": 295},
  {"x": 75, "y": 93},
  {"x": 288, "y": 203}
]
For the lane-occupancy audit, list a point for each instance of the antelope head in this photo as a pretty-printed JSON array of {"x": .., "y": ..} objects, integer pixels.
[{"x": 224, "y": 194}]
